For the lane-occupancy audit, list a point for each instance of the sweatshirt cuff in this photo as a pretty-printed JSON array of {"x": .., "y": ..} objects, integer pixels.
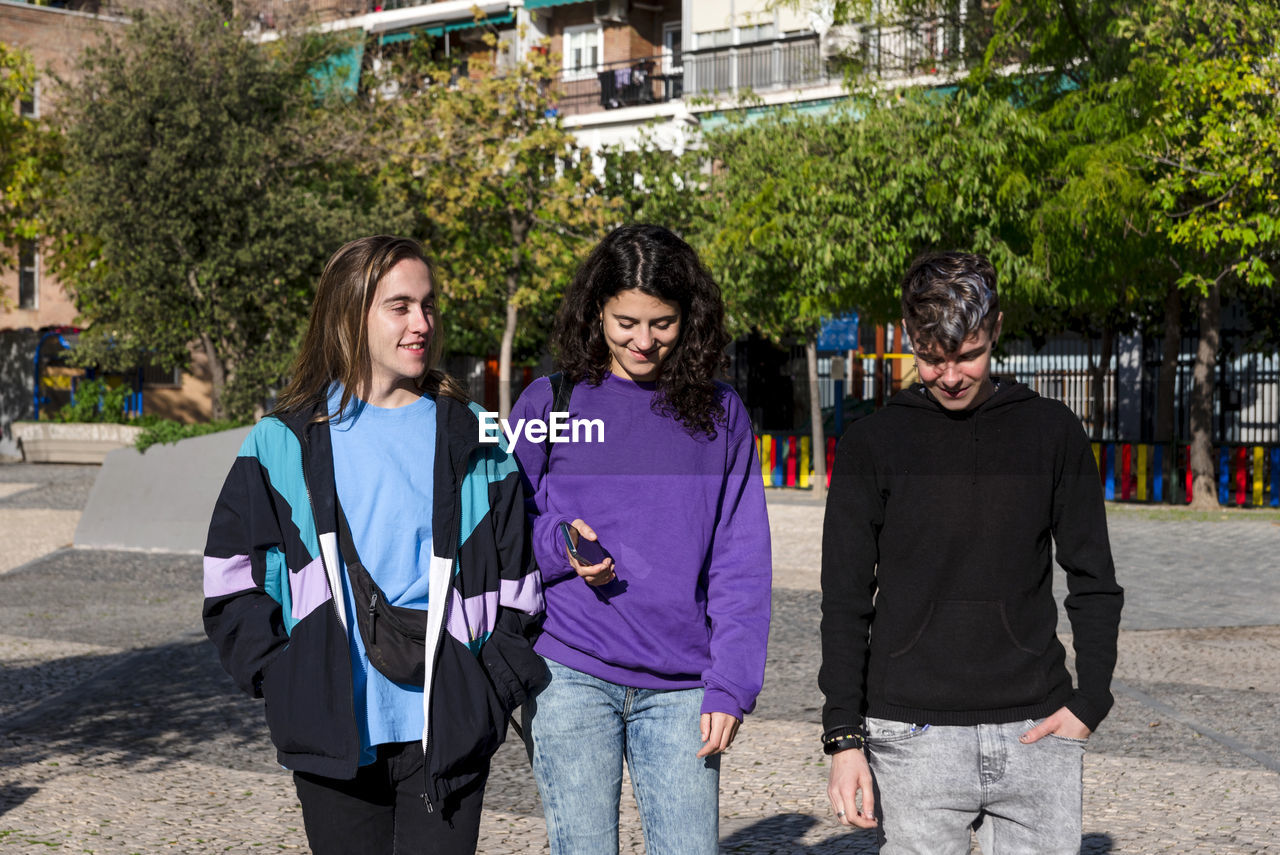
[
  {"x": 553, "y": 561},
  {"x": 1089, "y": 713},
  {"x": 718, "y": 700}
]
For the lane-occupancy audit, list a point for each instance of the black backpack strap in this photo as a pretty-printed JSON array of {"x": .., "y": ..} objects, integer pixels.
[{"x": 561, "y": 392}]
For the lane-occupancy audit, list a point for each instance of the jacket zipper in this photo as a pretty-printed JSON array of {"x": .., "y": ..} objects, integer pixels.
[{"x": 444, "y": 623}]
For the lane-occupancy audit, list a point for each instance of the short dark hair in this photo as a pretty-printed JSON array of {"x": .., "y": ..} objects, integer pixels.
[
  {"x": 655, "y": 261},
  {"x": 947, "y": 297}
]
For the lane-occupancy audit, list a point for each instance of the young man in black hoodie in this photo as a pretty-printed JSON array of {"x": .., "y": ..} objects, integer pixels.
[{"x": 948, "y": 702}]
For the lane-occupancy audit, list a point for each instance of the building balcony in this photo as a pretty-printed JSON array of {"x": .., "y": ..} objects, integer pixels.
[
  {"x": 623, "y": 83},
  {"x": 789, "y": 63}
]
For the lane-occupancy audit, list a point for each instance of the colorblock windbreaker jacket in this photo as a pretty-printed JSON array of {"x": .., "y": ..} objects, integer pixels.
[{"x": 274, "y": 599}]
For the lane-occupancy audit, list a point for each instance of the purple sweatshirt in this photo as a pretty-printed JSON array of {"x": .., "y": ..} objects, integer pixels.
[{"x": 684, "y": 519}]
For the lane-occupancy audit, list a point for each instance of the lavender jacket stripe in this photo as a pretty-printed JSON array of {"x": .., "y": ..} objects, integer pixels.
[
  {"x": 224, "y": 576},
  {"x": 308, "y": 588}
]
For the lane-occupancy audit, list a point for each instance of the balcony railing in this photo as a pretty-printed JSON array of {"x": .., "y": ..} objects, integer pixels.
[
  {"x": 788, "y": 63},
  {"x": 908, "y": 50},
  {"x": 781, "y": 64},
  {"x": 625, "y": 83},
  {"x": 796, "y": 62}
]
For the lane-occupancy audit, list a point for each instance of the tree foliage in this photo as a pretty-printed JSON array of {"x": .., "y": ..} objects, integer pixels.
[
  {"x": 501, "y": 193},
  {"x": 208, "y": 179},
  {"x": 28, "y": 152},
  {"x": 1164, "y": 176}
]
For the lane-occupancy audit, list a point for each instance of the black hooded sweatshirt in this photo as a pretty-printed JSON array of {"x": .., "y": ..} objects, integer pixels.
[{"x": 937, "y": 561}]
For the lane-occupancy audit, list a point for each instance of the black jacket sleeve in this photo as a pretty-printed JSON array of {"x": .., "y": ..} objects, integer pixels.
[
  {"x": 508, "y": 656},
  {"x": 1094, "y": 599},
  {"x": 243, "y": 621},
  {"x": 850, "y": 552}
]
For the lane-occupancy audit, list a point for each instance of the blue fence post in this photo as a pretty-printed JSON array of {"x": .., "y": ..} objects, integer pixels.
[
  {"x": 1224, "y": 476},
  {"x": 1275, "y": 477},
  {"x": 1110, "y": 451},
  {"x": 1157, "y": 473}
]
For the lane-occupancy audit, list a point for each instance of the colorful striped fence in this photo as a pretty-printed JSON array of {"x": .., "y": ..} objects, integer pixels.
[
  {"x": 786, "y": 460},
  {"x": 1248, "y": 476}
]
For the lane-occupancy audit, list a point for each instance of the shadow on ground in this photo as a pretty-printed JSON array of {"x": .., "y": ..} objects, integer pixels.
[
  {"x": 780, "y": 834},
  {"x": 11, "y": 796},
  {"x": 142, "y": 708},
  {"x": 783, "y": 833}
]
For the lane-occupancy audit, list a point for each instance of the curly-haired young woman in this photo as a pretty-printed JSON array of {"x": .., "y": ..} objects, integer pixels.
[{"x": 656, "y": 651}]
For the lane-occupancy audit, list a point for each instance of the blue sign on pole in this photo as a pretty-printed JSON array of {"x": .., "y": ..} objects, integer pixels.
[{"x": 839, "y": 333}]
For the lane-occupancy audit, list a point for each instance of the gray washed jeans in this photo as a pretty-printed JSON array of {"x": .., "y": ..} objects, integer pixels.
[{"x": 933, "y": 783}]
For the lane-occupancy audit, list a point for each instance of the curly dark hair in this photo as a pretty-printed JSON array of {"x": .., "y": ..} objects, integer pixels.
[{"x": 655, "y": 261}]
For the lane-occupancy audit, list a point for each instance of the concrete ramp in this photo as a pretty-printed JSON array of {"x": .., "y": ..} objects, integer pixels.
[{"x": 160, "y": 500}]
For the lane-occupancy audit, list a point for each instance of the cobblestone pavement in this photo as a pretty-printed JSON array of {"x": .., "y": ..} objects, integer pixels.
[{"x": 119, "y": 733}]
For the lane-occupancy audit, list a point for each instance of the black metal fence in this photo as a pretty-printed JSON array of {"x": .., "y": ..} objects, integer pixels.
[
  {"x": 1246, "y": 398},
  {"x": 624, "y": 83}
]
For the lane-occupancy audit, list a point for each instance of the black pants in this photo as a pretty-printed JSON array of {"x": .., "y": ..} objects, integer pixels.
[{"x": 381, "y": 811}]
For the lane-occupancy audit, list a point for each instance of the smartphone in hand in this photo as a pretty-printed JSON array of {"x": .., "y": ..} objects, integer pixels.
[{"x": 587, "y": 552}]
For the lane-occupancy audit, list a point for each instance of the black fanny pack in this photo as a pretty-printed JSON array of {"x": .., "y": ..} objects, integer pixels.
[{"x": 395, "y": 637}]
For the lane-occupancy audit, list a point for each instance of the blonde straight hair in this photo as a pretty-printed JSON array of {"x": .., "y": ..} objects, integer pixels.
[{"x": 335, "y": 346}]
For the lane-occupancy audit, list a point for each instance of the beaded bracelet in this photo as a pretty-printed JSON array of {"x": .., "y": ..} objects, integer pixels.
[{"x": 842, "y": 740}]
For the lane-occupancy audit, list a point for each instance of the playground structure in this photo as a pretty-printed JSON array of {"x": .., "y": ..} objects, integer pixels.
[{"x": 56, "y": 382}]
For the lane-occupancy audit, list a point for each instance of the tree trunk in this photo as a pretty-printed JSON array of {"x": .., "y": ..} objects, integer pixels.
[
  {"x": 217, "y": 376},
  {"x": 1099, "y": 379},
  {"x": 1204, "y": 486},
  {"x": 519, "y": 228},
  {"x": 504, "y": 352},
  {"x": 815, "y": 418}
]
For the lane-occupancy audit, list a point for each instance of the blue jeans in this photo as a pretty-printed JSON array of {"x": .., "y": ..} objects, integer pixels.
[
  {"x": 934, "y": 783},
  {"x": 578, "y": 730}
]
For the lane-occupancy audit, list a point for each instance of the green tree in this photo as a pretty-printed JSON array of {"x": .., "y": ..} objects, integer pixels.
[
  {"x": 1214, "y": 141},
  {"x": 28, "y": 152},
  {"x": 500, "y": 191},
  {"x": 1167, "y": 111},
  {"x": 208, "y": 178}
]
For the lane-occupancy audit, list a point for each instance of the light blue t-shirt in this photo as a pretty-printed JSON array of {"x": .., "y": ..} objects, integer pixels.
[{"x": 383, "y": 463}]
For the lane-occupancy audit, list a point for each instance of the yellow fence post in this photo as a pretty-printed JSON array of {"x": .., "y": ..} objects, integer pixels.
[
  {"x": 1144, "y": 454},
  {"x": 1258, "y": 468},
  {"x": 803, "y": 474}
]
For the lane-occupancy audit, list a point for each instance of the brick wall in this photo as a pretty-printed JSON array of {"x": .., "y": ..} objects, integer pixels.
[
  {"x": 640, "y": 36},
  {"x": 55, "y": 39}
]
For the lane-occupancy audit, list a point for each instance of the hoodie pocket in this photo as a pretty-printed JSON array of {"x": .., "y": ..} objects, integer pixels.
[{"x": 964, "y": 656}]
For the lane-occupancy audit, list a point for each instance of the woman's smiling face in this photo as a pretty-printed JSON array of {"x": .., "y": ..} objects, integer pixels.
[{"x": 641, "y": 331}]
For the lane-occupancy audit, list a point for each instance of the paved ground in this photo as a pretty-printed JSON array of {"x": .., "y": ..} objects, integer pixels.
[{"x": 120, "y": 734}]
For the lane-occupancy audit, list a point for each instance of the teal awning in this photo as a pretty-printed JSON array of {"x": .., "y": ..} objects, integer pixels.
[
  {"x": 341, "y": 71},
  {"x": 466, "y": 25},
  {"x": 544, "y": 4},
  {"x": 440, "y": 29}
]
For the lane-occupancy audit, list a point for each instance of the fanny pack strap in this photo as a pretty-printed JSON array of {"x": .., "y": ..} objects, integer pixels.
[{"x": 345, "y": 544}]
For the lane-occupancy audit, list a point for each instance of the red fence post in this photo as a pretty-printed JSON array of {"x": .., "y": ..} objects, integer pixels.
[
  {"x": 1189, "y": 493},
  {"x": 1126, "y": 471},
  {"x": 1242, "y": 475}
]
